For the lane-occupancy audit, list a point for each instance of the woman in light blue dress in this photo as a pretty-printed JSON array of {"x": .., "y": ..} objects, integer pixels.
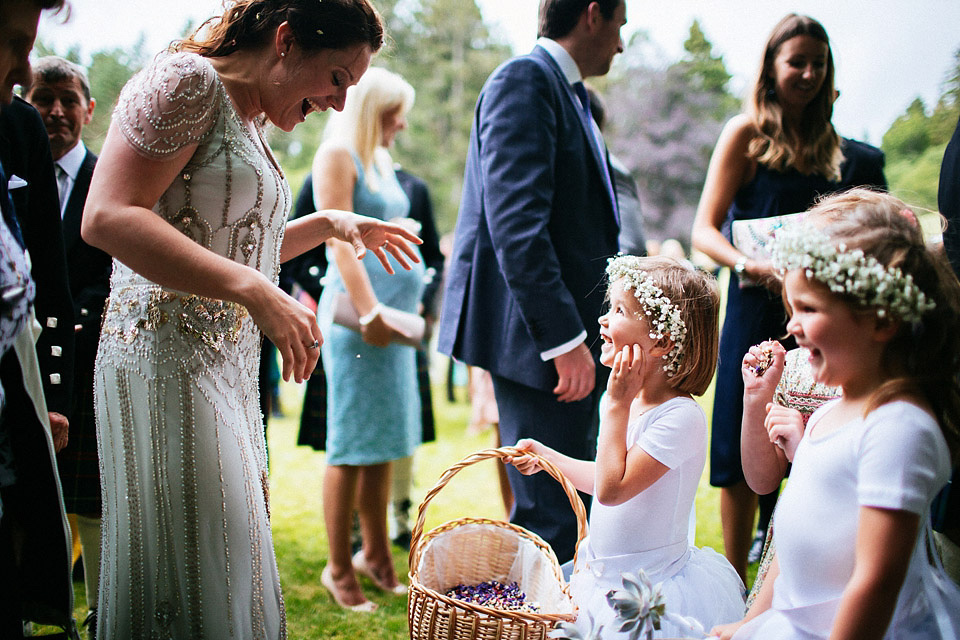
[{"x": 373, "y": 413}]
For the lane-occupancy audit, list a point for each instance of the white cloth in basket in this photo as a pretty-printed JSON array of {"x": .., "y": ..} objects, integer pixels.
[{"x": 480, "y": 552}]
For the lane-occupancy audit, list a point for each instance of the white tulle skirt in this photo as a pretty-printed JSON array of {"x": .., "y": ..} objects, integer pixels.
[{"x": 695, "y": 583}]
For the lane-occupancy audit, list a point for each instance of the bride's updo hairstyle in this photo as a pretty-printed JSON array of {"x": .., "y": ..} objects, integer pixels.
[{"x": 316, "y": 24}]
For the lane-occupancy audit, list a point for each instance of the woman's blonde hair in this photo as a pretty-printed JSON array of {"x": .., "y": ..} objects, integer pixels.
[
  {"x": 923, "y": 358},
  {"x": 815, "y": 146},
  {"x": 696, "y": 295},
  {"x": 360, "y": 124}
]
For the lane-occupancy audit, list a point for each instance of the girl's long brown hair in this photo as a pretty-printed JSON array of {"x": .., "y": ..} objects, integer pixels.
[{"x": 814, "y": 147}]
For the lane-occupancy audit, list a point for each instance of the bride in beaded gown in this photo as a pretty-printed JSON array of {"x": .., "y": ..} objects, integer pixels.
[
  {"x": 193, "y": 205},
  {"x": 185, "y": 524}
]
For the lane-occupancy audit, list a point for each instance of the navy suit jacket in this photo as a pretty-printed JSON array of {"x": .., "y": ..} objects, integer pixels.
[{"x": 535, "y": 229}]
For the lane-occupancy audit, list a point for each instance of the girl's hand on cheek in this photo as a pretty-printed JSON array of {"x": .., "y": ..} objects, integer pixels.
[{"x": 626, "y": 374}]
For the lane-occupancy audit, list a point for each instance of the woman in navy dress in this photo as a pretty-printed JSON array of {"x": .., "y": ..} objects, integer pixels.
[{"x": 777, "y": 157}]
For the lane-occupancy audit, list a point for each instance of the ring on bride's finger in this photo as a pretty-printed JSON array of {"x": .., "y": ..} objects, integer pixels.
[{"x": 315, "y": 345}]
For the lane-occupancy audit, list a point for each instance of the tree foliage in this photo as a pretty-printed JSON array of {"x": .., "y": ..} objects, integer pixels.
[
  {"x": 444, "y": 49},
  {"x": 664, "y": 122},
  {"x": 664, "y": 116},
  {"x": 916, "y": 140}
]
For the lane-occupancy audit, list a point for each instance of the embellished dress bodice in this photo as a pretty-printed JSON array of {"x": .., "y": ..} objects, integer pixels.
[
  {"x": 231, "y": 196},
  {"x": 187, "y": 547}
]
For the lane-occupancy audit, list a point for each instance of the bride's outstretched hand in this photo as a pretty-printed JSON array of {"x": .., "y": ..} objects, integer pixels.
[{"x": 381, "y": 237}]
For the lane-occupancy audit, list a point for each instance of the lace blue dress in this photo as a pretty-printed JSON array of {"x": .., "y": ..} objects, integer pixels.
[{"x": 373, "y": 405}]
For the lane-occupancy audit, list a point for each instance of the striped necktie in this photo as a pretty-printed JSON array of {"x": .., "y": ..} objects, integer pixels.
[{"x": 63, "y": 187}]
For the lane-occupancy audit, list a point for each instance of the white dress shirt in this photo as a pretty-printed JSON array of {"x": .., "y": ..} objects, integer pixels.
[{"x": 68, "y": 167}]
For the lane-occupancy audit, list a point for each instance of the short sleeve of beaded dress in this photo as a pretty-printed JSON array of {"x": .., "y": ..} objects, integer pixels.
[{"x": 187, "y": 547}]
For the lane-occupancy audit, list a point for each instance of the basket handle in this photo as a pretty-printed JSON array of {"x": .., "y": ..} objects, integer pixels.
[{"x": 501, "y": 453}]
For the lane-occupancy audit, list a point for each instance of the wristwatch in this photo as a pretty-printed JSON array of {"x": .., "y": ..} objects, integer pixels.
[{"x": 740, "y": 266}]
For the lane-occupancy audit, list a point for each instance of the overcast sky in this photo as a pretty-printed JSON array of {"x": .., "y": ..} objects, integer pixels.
[{"x": 887, "y": 51}]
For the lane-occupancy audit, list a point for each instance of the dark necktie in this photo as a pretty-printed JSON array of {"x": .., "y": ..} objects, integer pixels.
[{"x": 581, "y": 91}]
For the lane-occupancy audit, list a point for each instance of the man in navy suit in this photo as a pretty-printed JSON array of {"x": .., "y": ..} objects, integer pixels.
[
  {"x": 60, "y": 91},
  {"x": 538, "y": 220}
]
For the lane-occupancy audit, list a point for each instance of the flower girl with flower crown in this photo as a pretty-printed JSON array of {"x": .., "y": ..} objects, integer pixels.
[
  {"x": 878, "y": 312},
  {"x": 660, "y": 342}
]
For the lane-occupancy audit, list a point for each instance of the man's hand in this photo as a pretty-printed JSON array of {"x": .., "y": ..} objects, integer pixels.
[
  {"x": 577, "y": 372},
  {"x": 59, "y": 427}
]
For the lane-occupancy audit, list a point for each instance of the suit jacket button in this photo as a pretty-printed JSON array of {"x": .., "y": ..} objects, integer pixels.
[
  {"x": 54, "y": 378},
  {"x": 51, "y": 322},
  {"x": 84, "y": 312},
  {"x": 55, "y": 351}
]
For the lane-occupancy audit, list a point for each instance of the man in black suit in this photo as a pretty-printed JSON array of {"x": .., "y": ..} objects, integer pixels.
[
  {"x": 60, "y": 91},
  {"x": 33, "y": 188},
  {"x": 34, "y": 547},
  {"x": 538, "y": 220}
]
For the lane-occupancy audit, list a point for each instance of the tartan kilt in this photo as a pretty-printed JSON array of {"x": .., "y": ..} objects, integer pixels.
[{"x": 78, "y": 462}]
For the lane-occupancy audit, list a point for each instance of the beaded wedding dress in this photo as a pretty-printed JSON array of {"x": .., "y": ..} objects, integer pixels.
[{"x": 187, "y": 547}]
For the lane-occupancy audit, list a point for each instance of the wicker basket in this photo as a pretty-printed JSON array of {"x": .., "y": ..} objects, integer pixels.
[{"x": 477, "y": 550}]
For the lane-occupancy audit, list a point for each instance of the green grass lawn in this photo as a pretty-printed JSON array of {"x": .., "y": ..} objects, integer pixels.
[{"x": 300, "y": 538}]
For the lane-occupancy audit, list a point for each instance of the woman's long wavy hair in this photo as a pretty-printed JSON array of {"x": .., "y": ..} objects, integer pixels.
[
  {"x": 814, "y": 147},
  {"x": 923, "y": 358},
  {"x": 316, "y": 24}
]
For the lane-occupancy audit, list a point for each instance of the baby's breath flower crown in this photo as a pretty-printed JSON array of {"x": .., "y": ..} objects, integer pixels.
[
  {"x": 850, "y": 272},
  {"x": 662, "y": 315}
]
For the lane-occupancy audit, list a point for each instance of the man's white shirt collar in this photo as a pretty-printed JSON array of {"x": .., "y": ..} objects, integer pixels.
[
  {"x": 73, "y": 159},
  {"x": 566, "y": 62}
]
